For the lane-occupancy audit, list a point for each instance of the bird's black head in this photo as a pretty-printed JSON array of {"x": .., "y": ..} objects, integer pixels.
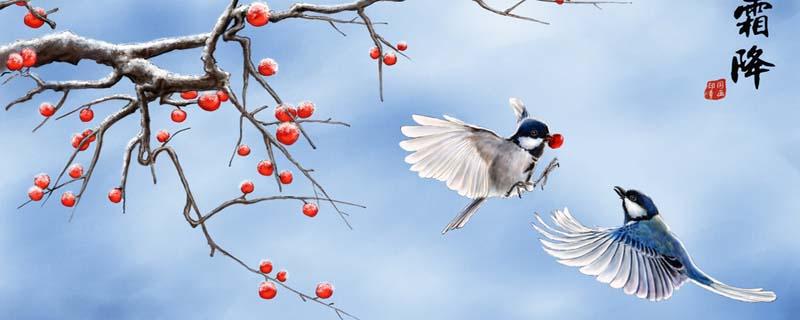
[
  {"x": 531, "y": 135},
  {"x": 637, "y": 205}
]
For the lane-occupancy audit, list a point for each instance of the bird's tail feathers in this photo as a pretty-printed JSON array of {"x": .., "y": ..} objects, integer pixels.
[
  {"x": 741, "y": 294},
  {"x": 462, "y": 218}
]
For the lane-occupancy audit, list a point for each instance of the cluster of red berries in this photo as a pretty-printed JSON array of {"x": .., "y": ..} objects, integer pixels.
[
  {"x": 83, "y": 140},
  {"x": 31, "y": 20},
  {"x": 24, "y": 59},
  {"x": 41, "y": 183},
  {"x": 267, "y": 289},
  {"x": 390, "y": 58}
]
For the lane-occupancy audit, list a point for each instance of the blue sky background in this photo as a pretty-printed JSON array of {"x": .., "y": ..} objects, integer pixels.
[{"x": 624, "y": 85}]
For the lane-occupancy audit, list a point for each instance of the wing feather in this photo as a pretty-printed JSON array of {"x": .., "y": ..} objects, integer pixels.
[
  {"x": 613, "y": 255},
  {"x": 449, "y": 150}
]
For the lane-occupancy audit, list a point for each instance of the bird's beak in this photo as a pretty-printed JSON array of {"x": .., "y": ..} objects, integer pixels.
[
  {"x": 620, "y": 192},
  {"x": 547, "y": 138}
]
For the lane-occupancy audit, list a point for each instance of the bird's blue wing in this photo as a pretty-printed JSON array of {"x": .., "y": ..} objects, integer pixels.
[{"x": 622, "y": 257}]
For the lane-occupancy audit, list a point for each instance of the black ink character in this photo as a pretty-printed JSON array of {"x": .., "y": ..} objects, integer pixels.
[
  {"x": 754, "y": 20},
  {"x": 752, "y": 65}
]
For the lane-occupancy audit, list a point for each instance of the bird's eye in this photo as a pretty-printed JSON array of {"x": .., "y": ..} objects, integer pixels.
[
  {"x": 632, "y": 197},
  {"x": 534, "y": 133}
]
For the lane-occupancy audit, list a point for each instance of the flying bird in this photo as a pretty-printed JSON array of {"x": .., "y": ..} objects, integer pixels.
[
  {"x": 643, "y": 257},
  {"x": 476, "y": 162}
]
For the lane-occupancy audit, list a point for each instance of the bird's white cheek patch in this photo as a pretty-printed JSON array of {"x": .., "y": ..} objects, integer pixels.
[
  {"x": 529, "y": 143},
  {"x": 634, "y": 209}
]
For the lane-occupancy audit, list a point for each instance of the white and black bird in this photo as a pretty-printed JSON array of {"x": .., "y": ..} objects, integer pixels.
[
  {"x": 474, "y": 161},
  {"x": 643, "y": 257}
]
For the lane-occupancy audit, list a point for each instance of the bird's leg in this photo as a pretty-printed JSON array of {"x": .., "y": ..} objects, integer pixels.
[
  {"x": 542, "y": 180},
  {"x": 520, "y": 187}
]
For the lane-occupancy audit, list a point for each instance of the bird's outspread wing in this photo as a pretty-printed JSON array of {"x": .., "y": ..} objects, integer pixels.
[
  {"x": 519, "y": 109},
  {"x": 616, "y": 256},
  {"x": 452, "y": 151}
]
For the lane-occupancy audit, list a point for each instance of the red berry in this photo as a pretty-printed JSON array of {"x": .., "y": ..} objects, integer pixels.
[
  {"x": 288, "y": 133},
  {"x": 223, "y": 95},
  {"x": 374, "y": 53},
  {"x": 555, "y": 141},
  {"x": 209, "y": 102},
  {"x": 68, "y": 199},
  {"x": 76, "y": 171},
  {"x": 76, "y": 142},
  {"x": 189, "y": 95},
  {"x": 324, "y": 290},
  {"x": 14, "y": 62},
  {"x": 88, "y": 133},
  {"x": 390, "y": 59},
  {"x": 265, "y": 266},
  {"x": 41, "y": 180},
  {"x": 34, "y": 22},
  {"x": 243, "y": 150},
  {"x": 21, "y": 3},
  {"x": 285, "y": 113},
  {"x": 86, "y": 115},
  {"x": 282, "y": 276},
  {"x": 267, "y": 290},
  {"x": 28, "y": 57},
  {"x": 247, "y": 186},
  {"x": 178, "y": 115},
  {"x": 265, "y": 168},
  {"x": 258, "y": 14},
  {"x": 268, "y": 67},
  {"x": 115, "y": 195},
  {"x": 286, "y": 177},
  {"x": 35, "y": 193},
  {"x": 47, "y": 110},
  {"x": 305, "y": 109},
  {"x": 310, "y": 209},
  {"x": 559, "y": 1},
  {"x": 162, "y": 136},
  {"x": 402, "y": 46}
]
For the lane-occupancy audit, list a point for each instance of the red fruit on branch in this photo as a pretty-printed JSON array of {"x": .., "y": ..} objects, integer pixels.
[
  {"x": 285, "y": 177},
  {"x": 76, "y": 142},
  {"x": 559, "y": 2},
  {"x": 267, "y": 67},
  {"x": 115, "y": 195},
  {"x": 265, "y": 168},
  {"x": 258, "y": 14},
  {"x": 28, "y": 57},
  {"x": 76, "y": 171},
  {"x": 178, "y": 115},
  {"x": 34, "y": 22},
  {"x": 310, "y": 209},
  {"x": 285, "y": 113},
  {"x": 47, "y": 110},
  {"x": 88, "y": 133},
  {"x": 305, "y": 109},
  {"x": 41, "y": 180},
  {"x": 68, "y": 199},
  {"x": 35, "y": 193},
  {"x": 556, "y": 141},
  {"x": 14, "y": 62},
  {"x": 287, "y": 133},
  {"x": 374, "y": 53},
  {"x": 324, "y": 290},
  {"x": 247, "y": 186},
  {"x": 189, "y": 95},
  {"x": 402, "y": 46},
  {"x": 209, "y": 102},
  {"x": 86, "y": 115},
  {"x": 265, "y": 266},
  {"x": 390, "y": 59},
  {"x": 21, "y": 3},
  {"x": 162, "y": 136},
  {"x": 222, "y": 95},
  {"x": 282, "y": 276},
  {"x": 267, "y": 290},
  {"x": 243, "y": 150}
]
